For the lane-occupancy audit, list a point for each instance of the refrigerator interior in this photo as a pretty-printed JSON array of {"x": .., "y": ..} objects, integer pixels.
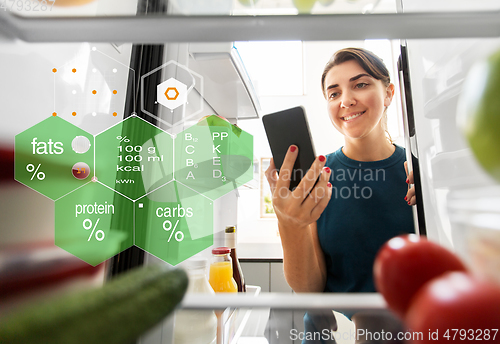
[{"x": 453, "y": 184}]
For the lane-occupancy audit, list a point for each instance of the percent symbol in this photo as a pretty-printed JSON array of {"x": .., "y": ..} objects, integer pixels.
[
  {"x": 31, "y": 168},
  {"x": 123, "y": 139},
  {"x": 167, "y": 225},
  {"x": 87, "y": 224}
]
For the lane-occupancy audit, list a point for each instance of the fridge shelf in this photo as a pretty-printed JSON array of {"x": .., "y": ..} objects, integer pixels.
[
  {"x": 281, "y": 301},
  {"x": 153, "y": 29}
]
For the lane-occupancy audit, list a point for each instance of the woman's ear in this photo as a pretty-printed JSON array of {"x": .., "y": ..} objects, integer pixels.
[{"x": 389, "y": 95}]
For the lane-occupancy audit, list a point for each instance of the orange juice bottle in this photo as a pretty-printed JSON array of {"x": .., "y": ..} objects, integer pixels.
[{"x": 221, "y": 271}]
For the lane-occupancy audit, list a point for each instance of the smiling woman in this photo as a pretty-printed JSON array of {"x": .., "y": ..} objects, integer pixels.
[
  {"x": 330, "y": 238},
  {"x": 352, "y": 86}
]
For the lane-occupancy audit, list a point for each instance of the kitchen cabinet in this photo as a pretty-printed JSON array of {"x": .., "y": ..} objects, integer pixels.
[
  {"x": 257, "y": 273},
  {"x": 268, "y": 275}
]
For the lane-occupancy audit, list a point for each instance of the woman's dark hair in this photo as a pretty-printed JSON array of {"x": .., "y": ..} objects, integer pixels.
[{"x": 370, "y": 62}]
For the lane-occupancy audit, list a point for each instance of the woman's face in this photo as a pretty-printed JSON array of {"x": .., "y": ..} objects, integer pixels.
[{"x": 356, "y": 101}]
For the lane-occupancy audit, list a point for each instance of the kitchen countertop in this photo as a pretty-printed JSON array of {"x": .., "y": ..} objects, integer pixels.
[{"x": 263, "y": 252}]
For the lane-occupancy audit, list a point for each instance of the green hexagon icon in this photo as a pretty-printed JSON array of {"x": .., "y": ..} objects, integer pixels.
[
  {"x": 54, "y": 157},
  {"x": 134, "y": 157},
  {"x": 94, "y": 223},
  {"x": 174, "y": 223},
  {"x": 213, "y": 157}
]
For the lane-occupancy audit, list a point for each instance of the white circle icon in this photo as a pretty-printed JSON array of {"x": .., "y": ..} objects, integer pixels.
[{"x": 80, "y": 144}]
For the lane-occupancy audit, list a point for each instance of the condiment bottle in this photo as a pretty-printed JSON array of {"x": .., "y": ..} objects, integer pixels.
[
  {"x": 221, "y": 271},
  {"x": 196, "y": 326},
  {"x": 237, "y": 272}
]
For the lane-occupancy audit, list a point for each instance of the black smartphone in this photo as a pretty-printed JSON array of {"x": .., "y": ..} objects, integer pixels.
[{"x": 286, "y": 128}]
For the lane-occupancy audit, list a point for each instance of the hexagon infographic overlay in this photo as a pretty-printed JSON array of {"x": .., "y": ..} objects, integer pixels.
[
  {"x": 174, "y": 84},
  {"x": 134, "y": 184},
  {"x": 213, "y": 157},
  {"x": 132, "y": 156},
  {"x": 175, "y": 223},
  {"x": 54, "y": 157},
  {"x": 94, "y": 223}
]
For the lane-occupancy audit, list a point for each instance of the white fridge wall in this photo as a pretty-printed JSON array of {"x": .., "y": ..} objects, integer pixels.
[{"x": 437, "y": 72}]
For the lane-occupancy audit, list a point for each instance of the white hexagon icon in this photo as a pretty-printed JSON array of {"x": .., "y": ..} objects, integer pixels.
[{"x": 171, "y": 93}]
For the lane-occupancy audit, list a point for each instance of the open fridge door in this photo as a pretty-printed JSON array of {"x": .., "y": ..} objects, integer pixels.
[
  {"x": 459, "y": 198},
  {"x": 410, "y": 138}
]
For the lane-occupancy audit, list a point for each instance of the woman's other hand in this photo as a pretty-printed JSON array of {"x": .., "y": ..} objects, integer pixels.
[
  {"x": 410, "y": 195},
  {"x": 304, "y": 205}
]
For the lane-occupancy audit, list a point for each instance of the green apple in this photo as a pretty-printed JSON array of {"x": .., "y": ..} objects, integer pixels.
[
  {"x": 479, "y": 113},
  {"x": 304, "y": 6}
]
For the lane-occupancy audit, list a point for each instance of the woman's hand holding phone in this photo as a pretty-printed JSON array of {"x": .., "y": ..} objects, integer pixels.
[{"x": 299, "y": 208}]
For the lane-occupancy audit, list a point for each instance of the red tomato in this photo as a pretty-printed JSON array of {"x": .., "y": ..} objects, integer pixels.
[
  {"x": 405, "y": 263},
  {"x": 456, "y": 308}
]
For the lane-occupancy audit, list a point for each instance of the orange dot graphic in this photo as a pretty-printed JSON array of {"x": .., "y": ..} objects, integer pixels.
[
  {"x": 74, "y": 113},
  {"x": 74, "y": 70},
  {"x": 54, "y": 114},
  {"x": 115, "y": 114},
  {"x": 115, "y": 92},
  {"x": 54, "y": 70},
  {"x": 94, "y": 92}
]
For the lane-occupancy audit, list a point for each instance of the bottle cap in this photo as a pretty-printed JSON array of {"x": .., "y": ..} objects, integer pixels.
[
  {"x": 195, "y": 263},
  {"x": 230, "y": 229},
  {"x": 221, "y": 250}
]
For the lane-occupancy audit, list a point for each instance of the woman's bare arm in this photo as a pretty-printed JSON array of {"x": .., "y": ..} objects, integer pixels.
[
  {"x": 304, "y": 261},
  {"x": 297, "y": 212}
]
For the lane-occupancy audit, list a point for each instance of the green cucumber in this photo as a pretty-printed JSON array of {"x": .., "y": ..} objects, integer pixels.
[{"x": 119, "y": 312}]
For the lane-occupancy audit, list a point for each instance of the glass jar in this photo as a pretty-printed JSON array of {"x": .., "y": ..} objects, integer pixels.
[{"x": 221, "y": 271}]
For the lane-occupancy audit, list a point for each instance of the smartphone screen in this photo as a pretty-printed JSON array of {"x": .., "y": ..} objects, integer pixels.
[{"x": 286, "y": 128}]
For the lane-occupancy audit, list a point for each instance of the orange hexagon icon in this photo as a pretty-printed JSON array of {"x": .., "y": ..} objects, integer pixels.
[{"x": 169, "y": 91}]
